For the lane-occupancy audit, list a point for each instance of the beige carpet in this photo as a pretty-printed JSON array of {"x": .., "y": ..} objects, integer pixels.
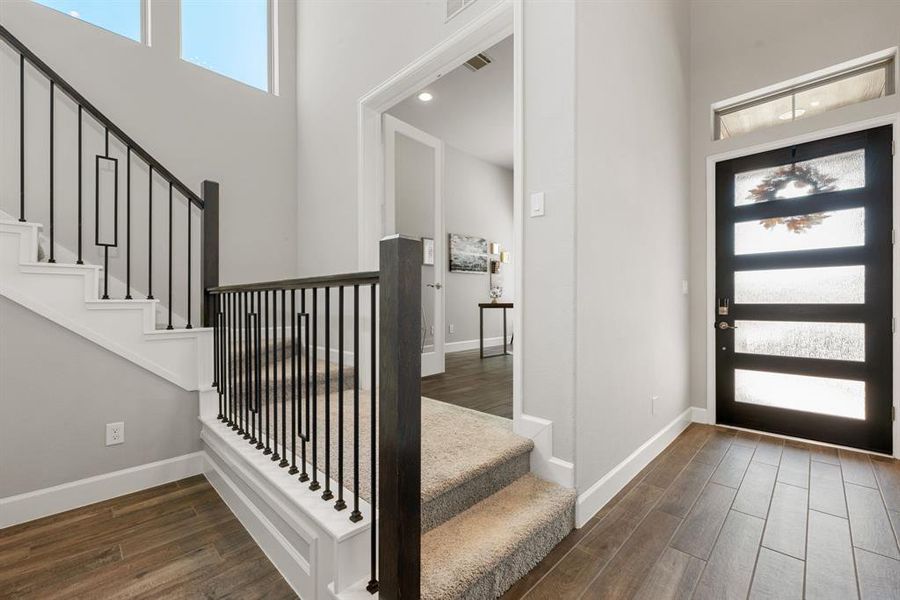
[
  {"x": 466, "y": 455},
  {"x": 481, "y": 552}
]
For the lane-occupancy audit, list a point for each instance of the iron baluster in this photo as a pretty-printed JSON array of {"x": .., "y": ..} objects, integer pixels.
[
  {"x": 326, "y": 493},
  {"x": 293, "y": 470},
  {"x": 170, "y": 257},
  {"x": 355, "y": 515},
  {"x": 284, "y": 461},
  {"x": 52, "y": 258},
  {"x": 340, "y": 504}
]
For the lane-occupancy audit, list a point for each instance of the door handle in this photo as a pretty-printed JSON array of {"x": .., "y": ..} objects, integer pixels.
[
  {"x": 723, "y": 326},
  {"x": 436, "y": 286}
]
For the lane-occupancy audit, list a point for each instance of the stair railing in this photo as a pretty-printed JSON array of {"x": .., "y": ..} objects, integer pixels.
[
  {"x": 291, "y": 381},
  {"x": 106, "y": 210}
]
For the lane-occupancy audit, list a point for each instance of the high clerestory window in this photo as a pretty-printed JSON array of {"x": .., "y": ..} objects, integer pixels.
[
  {"x": 231, "y": 38},
  {"x": 118, "y": 16},
  {"x": 850, "y": 86}
]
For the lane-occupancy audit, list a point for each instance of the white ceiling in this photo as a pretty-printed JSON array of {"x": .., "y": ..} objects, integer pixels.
[{"x": 471, "y": 110}]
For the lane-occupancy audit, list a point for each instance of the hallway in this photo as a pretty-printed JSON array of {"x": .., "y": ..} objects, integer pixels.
[
  {"x": 468, "y": 381},
  {"x": 702, "y": 521}
]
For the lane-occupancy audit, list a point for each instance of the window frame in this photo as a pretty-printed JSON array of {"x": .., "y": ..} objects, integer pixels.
[
  {"x": 886, "y": 63},
  {"x": 272, "y": 70}
]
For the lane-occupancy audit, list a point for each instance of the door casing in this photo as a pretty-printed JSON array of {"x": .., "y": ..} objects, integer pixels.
[{"x": 433, "y": 360}]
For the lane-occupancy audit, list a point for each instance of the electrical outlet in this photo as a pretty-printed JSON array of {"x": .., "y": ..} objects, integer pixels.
[
  {"x": 115, "y": 433},
  {"x": 431, "y": 330},
  {"x": 452, "y": 328},
  {"x": 684, "y": 286}
]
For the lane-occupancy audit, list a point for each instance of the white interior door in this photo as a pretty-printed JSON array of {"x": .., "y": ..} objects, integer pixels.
[{"x": 413, "y": 172}]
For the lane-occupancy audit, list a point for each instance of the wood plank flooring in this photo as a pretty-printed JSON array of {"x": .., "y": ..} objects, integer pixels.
[
  {"x": 468, "y": 381},
  {"x": 178, "y": 540},
  {"x": 722, "y": 514}
]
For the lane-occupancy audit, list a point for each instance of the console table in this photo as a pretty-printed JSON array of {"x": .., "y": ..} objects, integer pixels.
[{"x": 481, "y": 307}]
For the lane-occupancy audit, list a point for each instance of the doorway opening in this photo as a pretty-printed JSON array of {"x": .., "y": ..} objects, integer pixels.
[
  {"x": 803, "y": 315},
  {"x": 449, "y": 181}
]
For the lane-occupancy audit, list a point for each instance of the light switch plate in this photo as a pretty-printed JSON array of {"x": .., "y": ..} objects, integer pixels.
[{"x": 537, "y": 204}]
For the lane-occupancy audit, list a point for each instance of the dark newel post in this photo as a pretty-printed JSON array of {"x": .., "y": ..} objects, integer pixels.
[
  {"x": 210, "y": 249},
  {"x": 400, "y": 419}
]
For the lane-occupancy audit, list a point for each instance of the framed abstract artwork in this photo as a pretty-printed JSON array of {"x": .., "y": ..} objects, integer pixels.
[{"x": 468, "y": 254}]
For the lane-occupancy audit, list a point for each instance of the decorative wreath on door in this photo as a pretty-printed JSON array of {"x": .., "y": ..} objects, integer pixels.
[{"x": 799, "y": 176}]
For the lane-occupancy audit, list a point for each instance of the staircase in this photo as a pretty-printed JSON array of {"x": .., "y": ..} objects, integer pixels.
[
  {"x": 486, "y": 520},
  {"x": 69, "y": 294},
  {"x": 398, "y": 492}
]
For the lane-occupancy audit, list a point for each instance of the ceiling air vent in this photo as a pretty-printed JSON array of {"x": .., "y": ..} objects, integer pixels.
[
  {"x": 479, "y": 61},
  {"x": 454, "y": 7}
]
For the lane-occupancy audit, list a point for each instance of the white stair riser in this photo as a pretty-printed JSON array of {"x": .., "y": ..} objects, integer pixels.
[{"x": 68, "y": 295}]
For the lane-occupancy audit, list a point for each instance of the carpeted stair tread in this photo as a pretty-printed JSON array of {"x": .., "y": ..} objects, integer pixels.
[
  {"x": 481, "y": 552},
  {"x": 458, "y": 443},
  {"x": 466, "y": 455}
]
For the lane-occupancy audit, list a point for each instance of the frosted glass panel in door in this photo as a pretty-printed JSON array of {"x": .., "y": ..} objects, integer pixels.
[
  {"x": 823, "y": 395},
  {"x": 836, "y": 172},
  {"x": 833, "y": 341},
  {"x": 816, "y": 285},
  {"x": 834, "y": 229}
]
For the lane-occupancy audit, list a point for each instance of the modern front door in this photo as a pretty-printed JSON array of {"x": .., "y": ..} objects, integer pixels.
[{"x": 803, "y": 291}]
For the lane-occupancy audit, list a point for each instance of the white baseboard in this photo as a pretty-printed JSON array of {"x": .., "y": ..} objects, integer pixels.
[
  {"x": 596, "y": 496},
  {"x": 543, "y": 463},
  {"x": 464, "y": 345},
  {"x": 699, "y": 415},
  {"x": 67, "y": 496}
]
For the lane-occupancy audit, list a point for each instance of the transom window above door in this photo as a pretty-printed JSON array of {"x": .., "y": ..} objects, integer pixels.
[{"x": 800, "y": 100}]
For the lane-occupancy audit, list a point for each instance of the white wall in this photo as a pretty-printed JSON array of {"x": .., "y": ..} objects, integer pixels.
[
  {"x": 199, "y": 124},
  {"x": 478, "y": 200},
  {"x": 57, "y": 393},
  {"x": 632, "y": 230},
  {"x": 347, "y": 48},
  {"x": 738, "y": 47}
]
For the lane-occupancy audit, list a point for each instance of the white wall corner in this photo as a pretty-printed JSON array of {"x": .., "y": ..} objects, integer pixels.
[
  {"x": 597, "y": 495},
  {"x": 543, "y": 463},
  {"x": 699, "y": 415},
  {"x": 26, "y": 507}
]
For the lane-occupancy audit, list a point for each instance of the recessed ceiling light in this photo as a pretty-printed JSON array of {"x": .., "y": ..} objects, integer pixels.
[
  {"x": 425, "y": 96},
  {"x": 814, "y": 103},
  {"x": 787, "y": 116}
]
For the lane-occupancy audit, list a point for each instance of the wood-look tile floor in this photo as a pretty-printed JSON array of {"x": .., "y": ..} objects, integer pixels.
[
  {"x": 174, "y": 541},
  {"x": 721, "y": 514},
  {"x": 469, "y": 381}
]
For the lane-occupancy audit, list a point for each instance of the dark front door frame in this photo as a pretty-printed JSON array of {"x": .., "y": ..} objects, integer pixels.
[{"x": 711, "y": 415}]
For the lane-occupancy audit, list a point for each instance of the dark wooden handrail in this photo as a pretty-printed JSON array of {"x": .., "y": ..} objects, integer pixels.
[
  {"x": 363, "y": 278},
  {"x": 70, "y": 91}
]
